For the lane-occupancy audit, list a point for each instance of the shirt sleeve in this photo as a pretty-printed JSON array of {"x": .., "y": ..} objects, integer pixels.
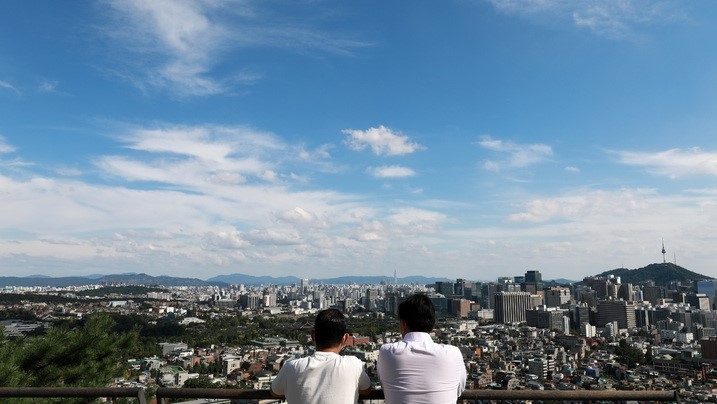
[
  {"x": 279, "y": 382},
  {"x": 461, "y": 371},
  {"x": 364, "y": 381}
]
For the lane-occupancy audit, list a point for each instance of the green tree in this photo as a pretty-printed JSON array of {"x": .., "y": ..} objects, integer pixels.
[
  {"x": 89, "y": 356},
  {"x": 629, "y": 355}
]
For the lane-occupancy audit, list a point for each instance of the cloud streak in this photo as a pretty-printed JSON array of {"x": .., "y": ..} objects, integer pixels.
[
  {"x": 391, "y": 172},
  {"x": 673, "y": 163},
  {"x": 8, "y": 86},
  {"x": 518, "y": 155},
  {"x": 182, "y": 44},
  {"x": 382, "y": 141},
  {"x": 610, "y": 19}
]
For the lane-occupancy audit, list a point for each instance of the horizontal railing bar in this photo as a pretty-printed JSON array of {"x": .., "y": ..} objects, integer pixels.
[
  {"x": 64, "y": 392},
  {"x": 545, "y": 395}
]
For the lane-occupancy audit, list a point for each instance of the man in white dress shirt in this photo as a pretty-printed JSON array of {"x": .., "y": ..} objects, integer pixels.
[
  {"x": 416, "y": 369},
  {"x": 326, "y": 377}
]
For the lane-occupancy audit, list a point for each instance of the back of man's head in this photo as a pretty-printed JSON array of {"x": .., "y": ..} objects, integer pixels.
[
  {"x": 418, "y": 313},
  {"x": 329, "y": 328}
]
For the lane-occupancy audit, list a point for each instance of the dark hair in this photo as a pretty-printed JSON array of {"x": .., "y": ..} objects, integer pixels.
[
  {"x": 329, "y": 328},
  {"x": 418, "y": 313}
]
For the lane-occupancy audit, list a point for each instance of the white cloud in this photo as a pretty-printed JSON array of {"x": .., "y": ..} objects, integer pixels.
[
  {"x": 580, "y": 205},
  {"x": 183, "y": 42},
  {"x": 48, "y": 86},
  {"x": 572, "y": 169},
  {"x": 302, "y": 218},
  {"x": 673, "y": 163},
  {"x": 274, "y": 237},
  {"x": 8, "y": 86},
  {"x": 198, "y": 155},
  {"x": 611, "y": 19},
  {"x": 5, "y": 147},
  {"x": 382, "y": 141},
  {"x": 224, "y": 240},
  {"x": 68, "y": 172},
  {"x": 519, "y": 155},
  {"x": 391, "y": 172}
]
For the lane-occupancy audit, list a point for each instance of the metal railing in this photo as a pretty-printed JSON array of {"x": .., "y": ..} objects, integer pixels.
[
  {"x": 164, "y": 395},
  {"x": 73, "y": 392}
]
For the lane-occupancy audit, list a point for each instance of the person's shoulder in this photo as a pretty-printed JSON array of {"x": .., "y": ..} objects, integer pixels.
[
  {"x": 389, "y": 346},
  {"x": 351, "y": 359}
]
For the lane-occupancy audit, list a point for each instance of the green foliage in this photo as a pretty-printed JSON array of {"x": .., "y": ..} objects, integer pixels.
[
  {"x": 628, "y": 355},
  {"x": 88, "y": 356},
  {"x": 201, "y": 382},
  {"x": 120, "y": 290}
]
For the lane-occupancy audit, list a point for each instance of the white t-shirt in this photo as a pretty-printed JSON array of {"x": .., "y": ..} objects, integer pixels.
[
  {"x": 417, "y": 370},
  {"x": 324, "y": 377}
]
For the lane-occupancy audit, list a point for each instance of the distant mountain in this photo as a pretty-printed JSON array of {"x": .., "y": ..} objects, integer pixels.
[
  {"x": 661, "y": 274},
  {"x": 342, "y": 280},
  {"x": 375, "y": 280},
  {"x": 243, "y": 279},
  {"x": 46, "y": 281},
  {"x": 144, "y": 279},
  {"x": 128, "y": 279}
]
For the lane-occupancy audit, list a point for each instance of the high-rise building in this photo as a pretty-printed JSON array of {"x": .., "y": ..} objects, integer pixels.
[
  {"x": 620, "y": 311},
  {"x": 557, "y": 296},
  {"x": 460, "y": 307},
  {"x": 532, "y": 283},
  {"x": 487, "y": 295},
  {"x": 510, "y": 307},
  {"x": 444, "y": 288},
  {"x": 550, "y": 318}
]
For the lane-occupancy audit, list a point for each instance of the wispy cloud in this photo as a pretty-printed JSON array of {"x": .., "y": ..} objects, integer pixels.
[
  {"x": 8, "y": 86},
  {"x": 581, "y": 205},
  {"x": 183, "y": 42},
  {"x": 391, "y": 172},
  {"x": 48, "y": 86},
  {"x": 673, "y": 163},
  {"x": 518, "y": 155},
  {"x": 4, "y": 146},
  {"x": 382, "y": 140},
  {"x": 612, "y": 19}
]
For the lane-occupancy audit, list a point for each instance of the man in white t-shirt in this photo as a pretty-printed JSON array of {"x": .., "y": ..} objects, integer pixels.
[
  {"x": 417, "y": 370},
  {"x": 324, "y": 377}
]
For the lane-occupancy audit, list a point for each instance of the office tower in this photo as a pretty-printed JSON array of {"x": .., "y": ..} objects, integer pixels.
[
  {"x": 510, "y": 307},
  {"x": 708, "y": 348},
  {"x": 625, "y": 292},
  {"x": 619, "y": 311},
  {"x": 371, "y": 298},
  {"x": 557, "y": 296},
  {"x": 698, "y": 301},
  {"x": 460, "y": 307},
  {"x": 487, "y": 295},
  {"x": 444, "y": 288},
  {"x": 550, "y": 318},
  {"x": 653, "y": 294},
  {"x": 533, "y": 282},
  {"x": 304, "y": 285}
]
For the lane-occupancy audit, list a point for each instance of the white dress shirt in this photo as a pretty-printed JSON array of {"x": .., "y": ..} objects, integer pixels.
[
  {"x": 417, "y": 370},
  {"x": 324, "y": 377}
]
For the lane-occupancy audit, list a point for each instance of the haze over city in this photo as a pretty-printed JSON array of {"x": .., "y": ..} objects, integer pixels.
[{"x": 465, "y": 139}]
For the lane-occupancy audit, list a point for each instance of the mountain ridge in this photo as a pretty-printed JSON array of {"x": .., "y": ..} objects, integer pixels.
[{"x": 660, "y": 273}]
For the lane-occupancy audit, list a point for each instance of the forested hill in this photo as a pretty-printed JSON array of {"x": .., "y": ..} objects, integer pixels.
[{"x": 661, "y": 274}]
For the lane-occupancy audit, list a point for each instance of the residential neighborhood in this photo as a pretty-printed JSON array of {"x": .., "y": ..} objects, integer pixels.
[{"x": 520, "y": 333}]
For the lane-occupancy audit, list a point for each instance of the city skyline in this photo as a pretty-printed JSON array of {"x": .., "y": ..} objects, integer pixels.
[{"x": 468, "y": 139}]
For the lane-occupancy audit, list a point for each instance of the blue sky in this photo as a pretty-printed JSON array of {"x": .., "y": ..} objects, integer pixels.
[{"x": 470, "y": 139}]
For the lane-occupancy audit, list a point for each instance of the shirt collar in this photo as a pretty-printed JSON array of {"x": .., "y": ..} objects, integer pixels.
[{"x": 417, "y": 336}]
